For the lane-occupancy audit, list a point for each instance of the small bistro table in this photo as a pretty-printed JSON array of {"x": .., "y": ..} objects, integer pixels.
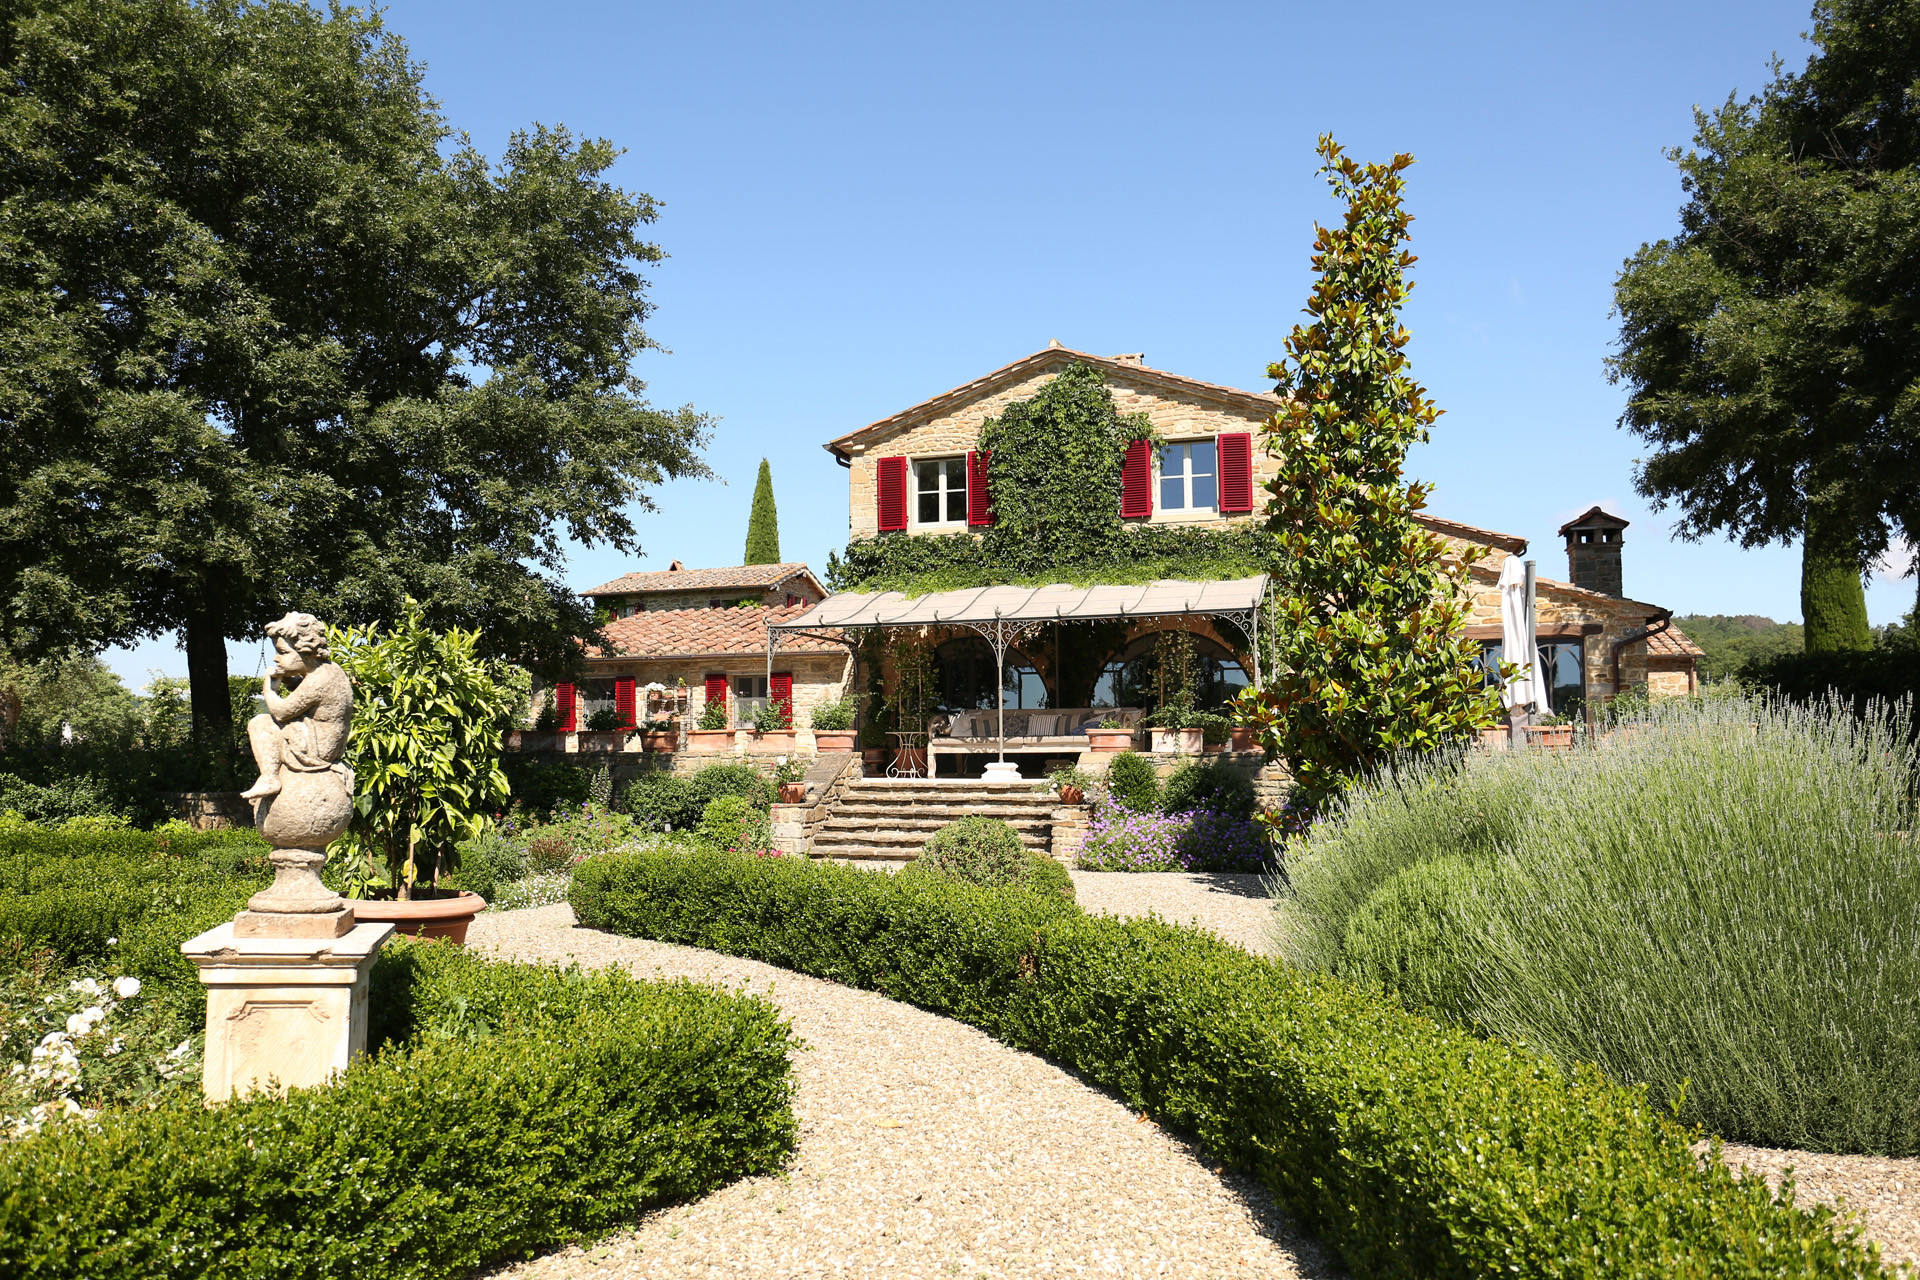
[{"x": 908, "y": 742}]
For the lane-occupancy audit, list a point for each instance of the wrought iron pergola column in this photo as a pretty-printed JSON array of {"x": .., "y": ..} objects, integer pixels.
[{"x": 1000, "y": 633}]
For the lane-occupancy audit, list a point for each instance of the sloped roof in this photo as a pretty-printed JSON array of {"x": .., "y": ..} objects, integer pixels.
[
  {"x": 1056, "y": 602},
  {"x": 1027, "y": 366},
  {"x": 743, "y": 575},
  {"x": 1508, "y": 542},
  {"x": 1673, "y": 643},
  {"x": 698, "y": 633},
  {"x": 1593, "y": 517}
]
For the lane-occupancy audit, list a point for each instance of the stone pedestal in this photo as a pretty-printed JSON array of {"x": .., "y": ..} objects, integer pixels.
[
  {"x": 290, "y": 1010},
  {"x": 1002, "y": 771}
]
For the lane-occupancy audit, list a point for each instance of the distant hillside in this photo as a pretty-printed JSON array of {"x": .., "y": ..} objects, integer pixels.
[{"x": 1730, "y": 642}]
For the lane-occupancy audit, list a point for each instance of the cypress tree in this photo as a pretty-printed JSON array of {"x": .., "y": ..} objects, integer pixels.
[{"x": 763, "y": 525}]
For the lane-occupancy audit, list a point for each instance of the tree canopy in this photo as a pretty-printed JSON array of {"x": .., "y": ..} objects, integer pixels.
[
  {"x": 1771, "y": 350},
  {"x": 1370, "y": 656},
  {"x": 273, "y": 335},
  {"x": 763, "y": 523}
]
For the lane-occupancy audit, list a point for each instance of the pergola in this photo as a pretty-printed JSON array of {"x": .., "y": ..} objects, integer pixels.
[{"x": 1003, "y": 615}]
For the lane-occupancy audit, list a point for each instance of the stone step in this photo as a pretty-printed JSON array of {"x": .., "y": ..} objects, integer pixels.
[
  {"x": 945, "y": 812},
  {"x": 897, "y": 822},
  {"x": 826, "y": 839}
]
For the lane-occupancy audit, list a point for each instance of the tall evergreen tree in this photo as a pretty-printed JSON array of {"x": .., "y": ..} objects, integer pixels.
[
  {"x": 763, "y": 524},
  {"x": 273, "y": 336},
  {"x": 1370, "y": 657},
  {"x": 1771, "y": 350}
]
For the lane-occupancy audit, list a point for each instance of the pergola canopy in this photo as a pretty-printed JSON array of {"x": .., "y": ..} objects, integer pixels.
[{"x": 1058, "y": 602}]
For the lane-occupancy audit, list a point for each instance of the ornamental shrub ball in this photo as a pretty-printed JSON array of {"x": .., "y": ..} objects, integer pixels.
[
  {"x": 662, "y": 801},
  {"x": 1411, "y": 935},
  {"x": 1132, "y": 782},
  {"x": 979, "y": 849},
  {"x": 730, "y": 780},
  {"x": 1213, "y": 786}
]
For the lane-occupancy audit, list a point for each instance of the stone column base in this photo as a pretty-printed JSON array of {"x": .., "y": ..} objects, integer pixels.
[{"x": 282, "y": 1013}]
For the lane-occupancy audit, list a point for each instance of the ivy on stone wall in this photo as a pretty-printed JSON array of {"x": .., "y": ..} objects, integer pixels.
[{"x": 1055, "y": 480}]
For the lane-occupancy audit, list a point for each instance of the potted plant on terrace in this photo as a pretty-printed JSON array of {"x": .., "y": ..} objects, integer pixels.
[
  {"x": 1109, "y": 736},
  {"x": 789, "y": 782},
  {"x": 833, "y": 724},
  {"x": 1176, "y": 725},
  {"x": 603, "y": 731},
  {"x": 1553, "y": 732},
  {"x": 713, "y": 735},
  {"x": 425, "y": 754},
  {"x": 773, "y": 726},
  {"x": 1070, "y": 784},
  {"x": 659, "y": 734}
]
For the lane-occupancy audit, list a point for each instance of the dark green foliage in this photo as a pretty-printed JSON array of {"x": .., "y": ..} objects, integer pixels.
[
  {"x": 1370, "y": 660},
  {"x": 717, "y": 780},
  {"x": 1731, "y": 642},
  {"x": 519, "y": 1108},
  {"x": 1133, "y": 782},
  {"x": 1769, "y": 348},
  {"x": 1138, "y": 553},
  {"x": 763, "y": 524},
  {"x": 1046, "y": 876},
  {"x": 1856, "y": 677},
  {"x": 350, "y": 359},
  {"x": 1832, "y": 598},
  {"x": 1413, "y": 1149},
  {"x": 74, "y": 796},
  {"x": 1210, "y": 784},
  {"x": 540, "y": 788},
  {"x": 976, "y": 848},
  {"x": 661, "y": 800},
  {"x": 732, "y": 822}
]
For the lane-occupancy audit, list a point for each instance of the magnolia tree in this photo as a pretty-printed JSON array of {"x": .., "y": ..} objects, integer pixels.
[
  {"x": 425, "y": 748},
  {"x": 1370, "y": 659}
]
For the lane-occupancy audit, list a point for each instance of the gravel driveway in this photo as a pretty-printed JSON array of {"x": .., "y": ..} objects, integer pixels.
[
  {"x": 1234, "y": 906},
  {"x": 926, "y": 1149}
]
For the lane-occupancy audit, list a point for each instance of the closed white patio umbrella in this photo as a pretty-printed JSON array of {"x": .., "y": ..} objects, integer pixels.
[{"x": 1527, "y": 692}]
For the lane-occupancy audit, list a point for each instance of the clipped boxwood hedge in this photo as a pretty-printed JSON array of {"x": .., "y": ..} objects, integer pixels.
[
  {"x": 1413, "y": 1149},
  {"x": 525, "y": 1107}
]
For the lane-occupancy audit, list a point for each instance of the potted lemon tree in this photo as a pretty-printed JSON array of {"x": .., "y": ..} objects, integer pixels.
[{"x": 425, "y": 755}]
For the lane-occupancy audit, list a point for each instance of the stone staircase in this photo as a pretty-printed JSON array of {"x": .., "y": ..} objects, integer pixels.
[{"x": 890, "y": 818}]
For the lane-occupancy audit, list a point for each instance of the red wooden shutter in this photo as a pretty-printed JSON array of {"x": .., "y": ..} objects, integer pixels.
[
  {"x": 623, "y": 700},
  {"x": 565, "y": 703},
  {"x": 1136, "y": 482},
  {"x": 717, "y": 689},
  {"x": 1236, "y": 471},
  {"x": 979, "y": 499},
  {"x": 893, "y": 494},
  {"x": 780, "y": 691}
]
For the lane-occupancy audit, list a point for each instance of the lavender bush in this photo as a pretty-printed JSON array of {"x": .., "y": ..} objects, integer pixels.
[{"x": 1121, "y": 839}]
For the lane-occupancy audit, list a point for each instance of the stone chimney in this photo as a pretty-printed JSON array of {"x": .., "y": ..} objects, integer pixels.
[
  {"x": 1593, "y": 551},
  {"x": 1136, "y": 358}
]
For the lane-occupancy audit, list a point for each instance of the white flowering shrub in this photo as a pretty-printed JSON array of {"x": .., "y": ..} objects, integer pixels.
[{"x": 73, "y": 1044}]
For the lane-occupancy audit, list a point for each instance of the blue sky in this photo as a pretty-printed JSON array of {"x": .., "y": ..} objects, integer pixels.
[{"x": 868, "y": 204}]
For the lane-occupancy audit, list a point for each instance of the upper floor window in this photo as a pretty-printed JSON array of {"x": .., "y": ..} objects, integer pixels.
[
  {"x": 1189, "y": 476},
  {"x": 942, "y": 490}
]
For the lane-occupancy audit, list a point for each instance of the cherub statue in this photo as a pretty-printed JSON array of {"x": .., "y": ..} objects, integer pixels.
[{"x": 305, "y": 731}]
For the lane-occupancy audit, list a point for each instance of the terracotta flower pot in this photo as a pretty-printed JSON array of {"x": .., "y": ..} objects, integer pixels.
[
  {"x": 1109, "y": 739},
  {"x": 531, "y": 740},
  {"x": 446, "y": 917},
  {"x": 873, "y": 761},
  {"x": 774, "y": 742},
  {"x": 1070, "y": 794},
  {"x": 833, "y": 739},
  {"x": 1242, "y": 738},
  {"x": 1180, "y": 741},
  {"x": 709, "y": 741},
  {"x": 603, "y": 739},
  {"x": 1554, "y": 737},
  {"x": 793, "y": 793},
  {"x": 658, "y": 740},
  {"x": 910, "y": 760}
]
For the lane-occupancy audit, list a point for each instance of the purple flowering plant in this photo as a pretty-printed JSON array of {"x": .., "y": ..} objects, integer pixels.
[{"x": 1123, "y": 839}]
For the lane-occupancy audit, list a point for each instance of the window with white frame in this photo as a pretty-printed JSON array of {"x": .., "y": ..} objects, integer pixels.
[
  {"x": 942, "y": 491},
  {"x": 1189, "y": 476}
]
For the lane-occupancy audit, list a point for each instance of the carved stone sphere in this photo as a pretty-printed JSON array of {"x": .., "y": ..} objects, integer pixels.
[{"x": 310, "y": 811}]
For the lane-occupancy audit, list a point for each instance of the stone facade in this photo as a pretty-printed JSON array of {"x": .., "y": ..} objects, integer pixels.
[
  {"x": 1179, "y": 409},
  {"x": 817, "y": 678}
]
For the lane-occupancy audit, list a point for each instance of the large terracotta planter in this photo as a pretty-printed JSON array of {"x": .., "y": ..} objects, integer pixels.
[
  {"x": 709, "y": 741},
  {"x": 446, "y": 917},
  {"x": 531, "y": 740},
  {"x": 774, "y": 742},
  {"x": 599, "y": 740},
  {"x": 1109, "y": 740},
  {"x": 873, "y": 761},
  {"x": 1242, "y": 739},
  {"x": 1070, "y": 794},
  {"x": 833, "y": 739},
  {"x": 1180, "y": 741},
  {"x": 910, "y": 760},
  {"x": 1554, "y": 737},
  {"x": 793, "y": 793},
  {"x": 659, "y": 740}
]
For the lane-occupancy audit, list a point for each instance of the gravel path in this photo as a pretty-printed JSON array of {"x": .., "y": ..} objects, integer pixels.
[
  {"x": 926, "y": 1149},
  {"x": 1234, "y": 906},
  {"x": 1885, "y": 1193}
]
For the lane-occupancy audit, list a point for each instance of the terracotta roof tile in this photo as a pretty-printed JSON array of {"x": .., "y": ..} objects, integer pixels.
[
  {"x": 1673, "y": 643},
  {"x": 747, "y": 575},
  {"x": 675, "y": 633}
]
